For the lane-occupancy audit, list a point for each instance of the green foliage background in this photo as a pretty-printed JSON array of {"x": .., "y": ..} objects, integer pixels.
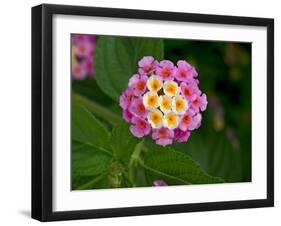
[{"x": 106, "y": 155}]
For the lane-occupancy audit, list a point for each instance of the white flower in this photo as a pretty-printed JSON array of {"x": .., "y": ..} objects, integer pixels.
[
  {"x": 171, "y": 88},
  {"x": 150, "y": 100},
  {"x": 165, "y": 103},
  {"x": 179, "y": 105},
  {"x": 154, "y": 83},
  {"x": 155, "y": 118},
  {"x": 171, "y": 120}
]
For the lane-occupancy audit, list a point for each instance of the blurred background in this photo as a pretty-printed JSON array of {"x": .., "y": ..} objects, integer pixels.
[{"x": 222, "y": 145}]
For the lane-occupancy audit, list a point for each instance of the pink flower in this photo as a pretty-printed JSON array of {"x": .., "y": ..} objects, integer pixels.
[
  {"x": 198, "y": 102},
  {"x": 181, "y": 136},
  {"x": 165, "y": 70},
  {"x": 159, "y": 183},
  {"x": 127, "y": 115},
  {"x": 138, "y": 84},
  {"x": 126, "y": 98},
  {"x": 137, "y": 108},
  {"x": 147, "y": 65},
  {"x": 88, "y": 64},
  {"x": 82, "y": 38},
  {"x": 197, "y": 120},
  {"x": 140, "y": 127},
  {"x": 184, "y": 71},
  {"x": 163, "y": 136},
  {"x": 78, "y": 72},
  {"x": 187, "y": 121},
  {"x": 83, "y": 47},
  {"x": 165, "y": 99},
  {"x": 187, "y": 90}
]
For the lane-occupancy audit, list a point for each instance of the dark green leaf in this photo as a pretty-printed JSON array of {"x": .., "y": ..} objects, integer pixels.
[
  {"x": 89, "y": 166},
  {"x": 175, "y": 167},
  {"x": 90, "y": 89},
  {"x": 116, "y": 60},
  {"x": 214, "y": 152},
  {"x": 123, "y": 142},
  {"x": 86, "y": 128},
  {"x": 90, "y": 182},
  {"x": 88, "y": 161}
]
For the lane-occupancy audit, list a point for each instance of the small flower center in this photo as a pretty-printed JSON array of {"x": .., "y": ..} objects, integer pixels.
[
  {"x": 152, "y": 100},
  {"x": 196, "y": 101},
  {"x": 163, "y": 133},
  {"x": 179, "y": 105},
  {"x": 186, "y": 119},
  {"x": 171, "y": 119},
  {"x": 140, "y": 85},
  {"x": 187, "y": 92},
  {"x": 156, "y": 118},
  {"x": 183, "y": 73},
  {"x": 142, "y": 125},
  {"x": 141, "y": 108},
  {"x": 82, "y": 48},
  {"x": 166, "y": 103},
  {"x": 130, "y": 98},
  {"x": 148, "y": 68},
  {"x": 155, "y": 85},
  {"x": 165, "y": 72},
  {"x": 171, "y": 89},
  {"x": 77, "y": 70}
]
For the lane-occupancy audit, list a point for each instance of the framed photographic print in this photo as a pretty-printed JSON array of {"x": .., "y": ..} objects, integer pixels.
[{"x": 147, "y": 112}]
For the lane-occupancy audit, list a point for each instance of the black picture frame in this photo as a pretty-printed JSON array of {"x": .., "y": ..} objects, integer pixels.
[{"x": 42, "y": 107}]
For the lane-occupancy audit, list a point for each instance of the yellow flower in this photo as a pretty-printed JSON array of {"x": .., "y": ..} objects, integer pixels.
[
  {"x": 73, "y": 56},
  {"x": 165, "y": 103},
  {"x": 171, "y": 88},
  {"x": 179, "y": 105},
  {"x": 171, "y": 120},
  {"x": 154, "y": 83},
  {"x": 155, "y": 119},
  {"x": 150, "y": 100}
]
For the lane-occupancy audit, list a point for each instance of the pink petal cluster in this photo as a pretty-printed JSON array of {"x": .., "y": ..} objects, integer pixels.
[
  {"x": 83, "y": 48},
  {"x": 135, "y": 112},
  {"x": 159, "y": 183},
  {"x": 166, "y": 70},
  {"x": 163, "y": 136}
]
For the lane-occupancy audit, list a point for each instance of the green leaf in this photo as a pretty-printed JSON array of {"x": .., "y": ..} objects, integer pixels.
[
  {"x": 90, "y": 89},
  {"x": 88, "y": 161},
  {"x": 91, "y": 93},
  {"x": 89, "y": 166},
  {"x": 214, "y": 152},
  {"x": 108, "y": 115},
  {"x": 123, "y": 142},
  {"x": 175, "y": 167},
  {"x": 116, "y": 60},
  {"x": 86, "y": 128}
]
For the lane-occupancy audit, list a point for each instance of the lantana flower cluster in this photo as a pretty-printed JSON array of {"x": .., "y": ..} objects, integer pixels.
[
  {"x": 163, "y": 100},
  {"x": 83, "y": 48}
]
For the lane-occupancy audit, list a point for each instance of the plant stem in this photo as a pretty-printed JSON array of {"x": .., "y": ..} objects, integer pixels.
[
  {"x": 103, "y": 150},
  {"x": 126, "y": 176},
  {"x": 161, "y": 173},
  {"x": 91, "y": 183},
  {"x": 98, "y": 109},
  {"x": 134, "y": 161}
]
